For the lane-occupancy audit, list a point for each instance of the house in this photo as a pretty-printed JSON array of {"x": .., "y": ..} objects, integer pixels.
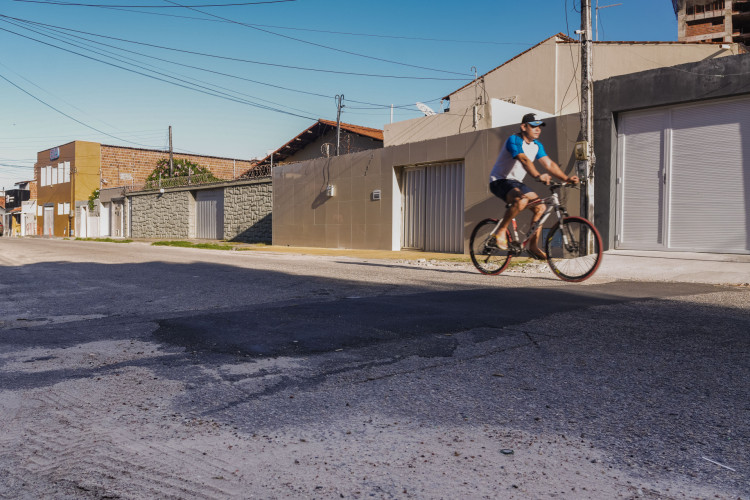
[
  {"x": 545, "y": 79},
  {"x": 673, "y": 160},
  {"x": 20, "y": 209},
  {"x": 71, "y": 174},
  {"x": 713, "y": 20},
  {"x": 319, "y": 141},
  {"x": 427, "y": 188}
]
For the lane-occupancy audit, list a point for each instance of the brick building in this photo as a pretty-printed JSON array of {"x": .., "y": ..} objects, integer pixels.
[
  {"x": 68, "y": 175},
  {"x": 713, "y": 20}
]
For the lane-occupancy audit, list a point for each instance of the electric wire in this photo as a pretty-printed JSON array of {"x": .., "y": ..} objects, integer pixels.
[
  {"x": 120, "y": 58},
  {"x": 65, "y": 114},
  {"x": 59, "y": 28},
  {"x": 171, "y": 80},
  {"x": 335, "y": 49},
  {"x": 75, "y": 4},
  {"x": 237, "y": 59},
  {"x": 312, "y": 30}
]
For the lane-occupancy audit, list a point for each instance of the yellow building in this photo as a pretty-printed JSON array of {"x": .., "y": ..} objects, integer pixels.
[{"x": 66, "y": 174}]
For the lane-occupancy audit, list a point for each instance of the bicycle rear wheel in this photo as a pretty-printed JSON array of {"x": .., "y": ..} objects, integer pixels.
[
  {"x": 487, "y": 258},
  {"x": 574, "y": 249}
]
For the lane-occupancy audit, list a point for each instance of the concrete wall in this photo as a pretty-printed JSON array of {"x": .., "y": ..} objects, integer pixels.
[
  {"x": 305, "y": 216},
  {"x": 247, "y": 212},
  {"x": 710, "y": 79}
]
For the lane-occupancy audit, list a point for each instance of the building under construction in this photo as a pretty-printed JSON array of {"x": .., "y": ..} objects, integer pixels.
[{"x": 713, "y": 20}]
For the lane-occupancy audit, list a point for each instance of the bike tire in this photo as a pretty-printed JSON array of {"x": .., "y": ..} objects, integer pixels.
[
  {"x": 575, "y": 260},
  {"x": 487, "y": 260}
]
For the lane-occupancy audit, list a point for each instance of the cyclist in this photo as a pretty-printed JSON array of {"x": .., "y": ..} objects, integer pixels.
[{"x": 515, "y": 160}]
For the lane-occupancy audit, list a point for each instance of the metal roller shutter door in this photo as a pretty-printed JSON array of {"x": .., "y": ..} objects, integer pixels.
[
  {"x": 709, "y": 186},
  {"x": 692, "y": 171},
  {"x": 433, "y": 208},
  {"x": 209, "y": 214},
  {"x": 641, "y": 181}
]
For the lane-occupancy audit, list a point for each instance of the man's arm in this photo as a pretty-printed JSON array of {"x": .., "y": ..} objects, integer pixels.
[
  {"x": 528, "y": 165},
  {"x": 554, "y": 169}
]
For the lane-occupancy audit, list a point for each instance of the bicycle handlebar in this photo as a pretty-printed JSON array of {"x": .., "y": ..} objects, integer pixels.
[{"x": 556, "y": 185}]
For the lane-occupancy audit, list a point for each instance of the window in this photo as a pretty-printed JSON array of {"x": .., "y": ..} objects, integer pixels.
[
  {"x": 66, "y": 176},
  {"x": 39, "y": 210},
  {"x": 66, "y": 208},
  {"x": 60, "y": 209},
  {"x": 55, "y": 175},
  {"x": 48, "y": 174},
  {"x": 42, "y": 178}
]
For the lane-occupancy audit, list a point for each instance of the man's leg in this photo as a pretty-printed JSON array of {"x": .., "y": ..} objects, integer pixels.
[
  {"x": 538, "y": 210},
  {"x": 517, "y": 202}
]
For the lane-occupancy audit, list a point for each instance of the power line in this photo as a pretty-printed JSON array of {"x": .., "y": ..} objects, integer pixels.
[
  {"x": 58, "y": 28},
  {"x": 120, "y": 59},
  {"x": 65, "y": 114},
  {"x": 74, "y": 4},
  {"x": 321, "y": 45},
  {"x": 176, "y": 81},
  {"x": 236, "y": 59},
  {"x": 312, "y": 30}
]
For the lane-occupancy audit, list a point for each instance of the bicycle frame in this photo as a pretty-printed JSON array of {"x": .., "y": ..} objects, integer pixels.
[{"x": 553, "y": 205}]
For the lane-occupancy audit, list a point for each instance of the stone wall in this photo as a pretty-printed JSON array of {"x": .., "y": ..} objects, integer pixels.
[
  {"x": 166, "y": 215},
  {"x": 247, "y": 212}
]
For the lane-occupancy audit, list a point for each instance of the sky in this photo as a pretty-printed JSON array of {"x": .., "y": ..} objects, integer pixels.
[{"x": 238, "y": 81}]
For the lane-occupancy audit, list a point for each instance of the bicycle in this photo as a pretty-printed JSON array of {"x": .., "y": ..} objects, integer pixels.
[{"x": 573, "y": 245}]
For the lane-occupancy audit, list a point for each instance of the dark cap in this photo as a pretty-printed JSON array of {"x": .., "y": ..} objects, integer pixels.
[{"x": 531, "y": 120}]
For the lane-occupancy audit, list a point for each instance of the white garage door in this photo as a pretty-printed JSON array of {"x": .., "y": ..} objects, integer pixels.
[{"x": 684, "y": 178}]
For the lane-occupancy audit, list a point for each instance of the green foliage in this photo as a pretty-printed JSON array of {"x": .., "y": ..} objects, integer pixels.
[
  {"x": 104, "y": 240},
  {"x": 188, "y": 244},
  {"x": 180, "y": 168},
  {"x": 94, "y": 196}
]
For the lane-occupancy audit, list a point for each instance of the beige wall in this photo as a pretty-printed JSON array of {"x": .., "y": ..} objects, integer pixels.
[
  {"x": 548, "y": 78},
  {"x": 304, "y": 216}
]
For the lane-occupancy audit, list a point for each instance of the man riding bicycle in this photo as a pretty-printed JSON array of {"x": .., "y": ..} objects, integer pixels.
[{"x": 515, "y": 160}]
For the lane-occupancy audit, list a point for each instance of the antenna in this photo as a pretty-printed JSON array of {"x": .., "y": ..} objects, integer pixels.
[
  {"x": 425, "y": 109},
  {"x": 596, "y": 21}
]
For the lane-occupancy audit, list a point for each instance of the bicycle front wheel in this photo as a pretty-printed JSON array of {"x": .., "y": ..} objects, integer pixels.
[
  {"x": 485, "y": 255},
  {"x": 574, "y": 249}
]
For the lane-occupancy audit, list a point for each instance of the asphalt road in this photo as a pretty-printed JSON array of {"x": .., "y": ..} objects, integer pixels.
[{"x": 133, "y": 371}]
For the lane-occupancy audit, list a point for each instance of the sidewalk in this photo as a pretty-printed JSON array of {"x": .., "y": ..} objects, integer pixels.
[
  {"x": 689, "y": 267},
  {"x": 677, "y": 266}
]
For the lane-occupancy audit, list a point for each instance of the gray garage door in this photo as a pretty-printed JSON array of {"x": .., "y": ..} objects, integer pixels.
[
  {"x": 683, "y": 179},
  {"x": 209, "y": 214},
  {"x": 433, "y": 207}
]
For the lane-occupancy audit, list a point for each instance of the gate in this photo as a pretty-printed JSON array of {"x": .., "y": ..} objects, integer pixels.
[
  {"x": 209, "y": 214},
  {"x": 433, "y": 207}
]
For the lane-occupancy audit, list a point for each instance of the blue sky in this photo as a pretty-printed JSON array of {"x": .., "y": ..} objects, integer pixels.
[{"x": 413, "y": 51}]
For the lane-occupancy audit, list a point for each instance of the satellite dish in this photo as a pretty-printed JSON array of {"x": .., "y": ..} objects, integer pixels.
[{"x": 425, "y": 109}]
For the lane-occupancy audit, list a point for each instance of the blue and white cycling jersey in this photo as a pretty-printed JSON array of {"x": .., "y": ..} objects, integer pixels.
[{"x": 508, "y": 166}]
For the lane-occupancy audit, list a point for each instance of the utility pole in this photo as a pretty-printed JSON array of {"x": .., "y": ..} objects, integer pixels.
[
  {"x": 586, "y": 156},
  {"x": 171, "y": 164},
  {"x": 339, "y": 105}
]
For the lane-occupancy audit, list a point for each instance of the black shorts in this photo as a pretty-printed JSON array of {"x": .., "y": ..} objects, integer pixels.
[{"x": 502, "y": 187}]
